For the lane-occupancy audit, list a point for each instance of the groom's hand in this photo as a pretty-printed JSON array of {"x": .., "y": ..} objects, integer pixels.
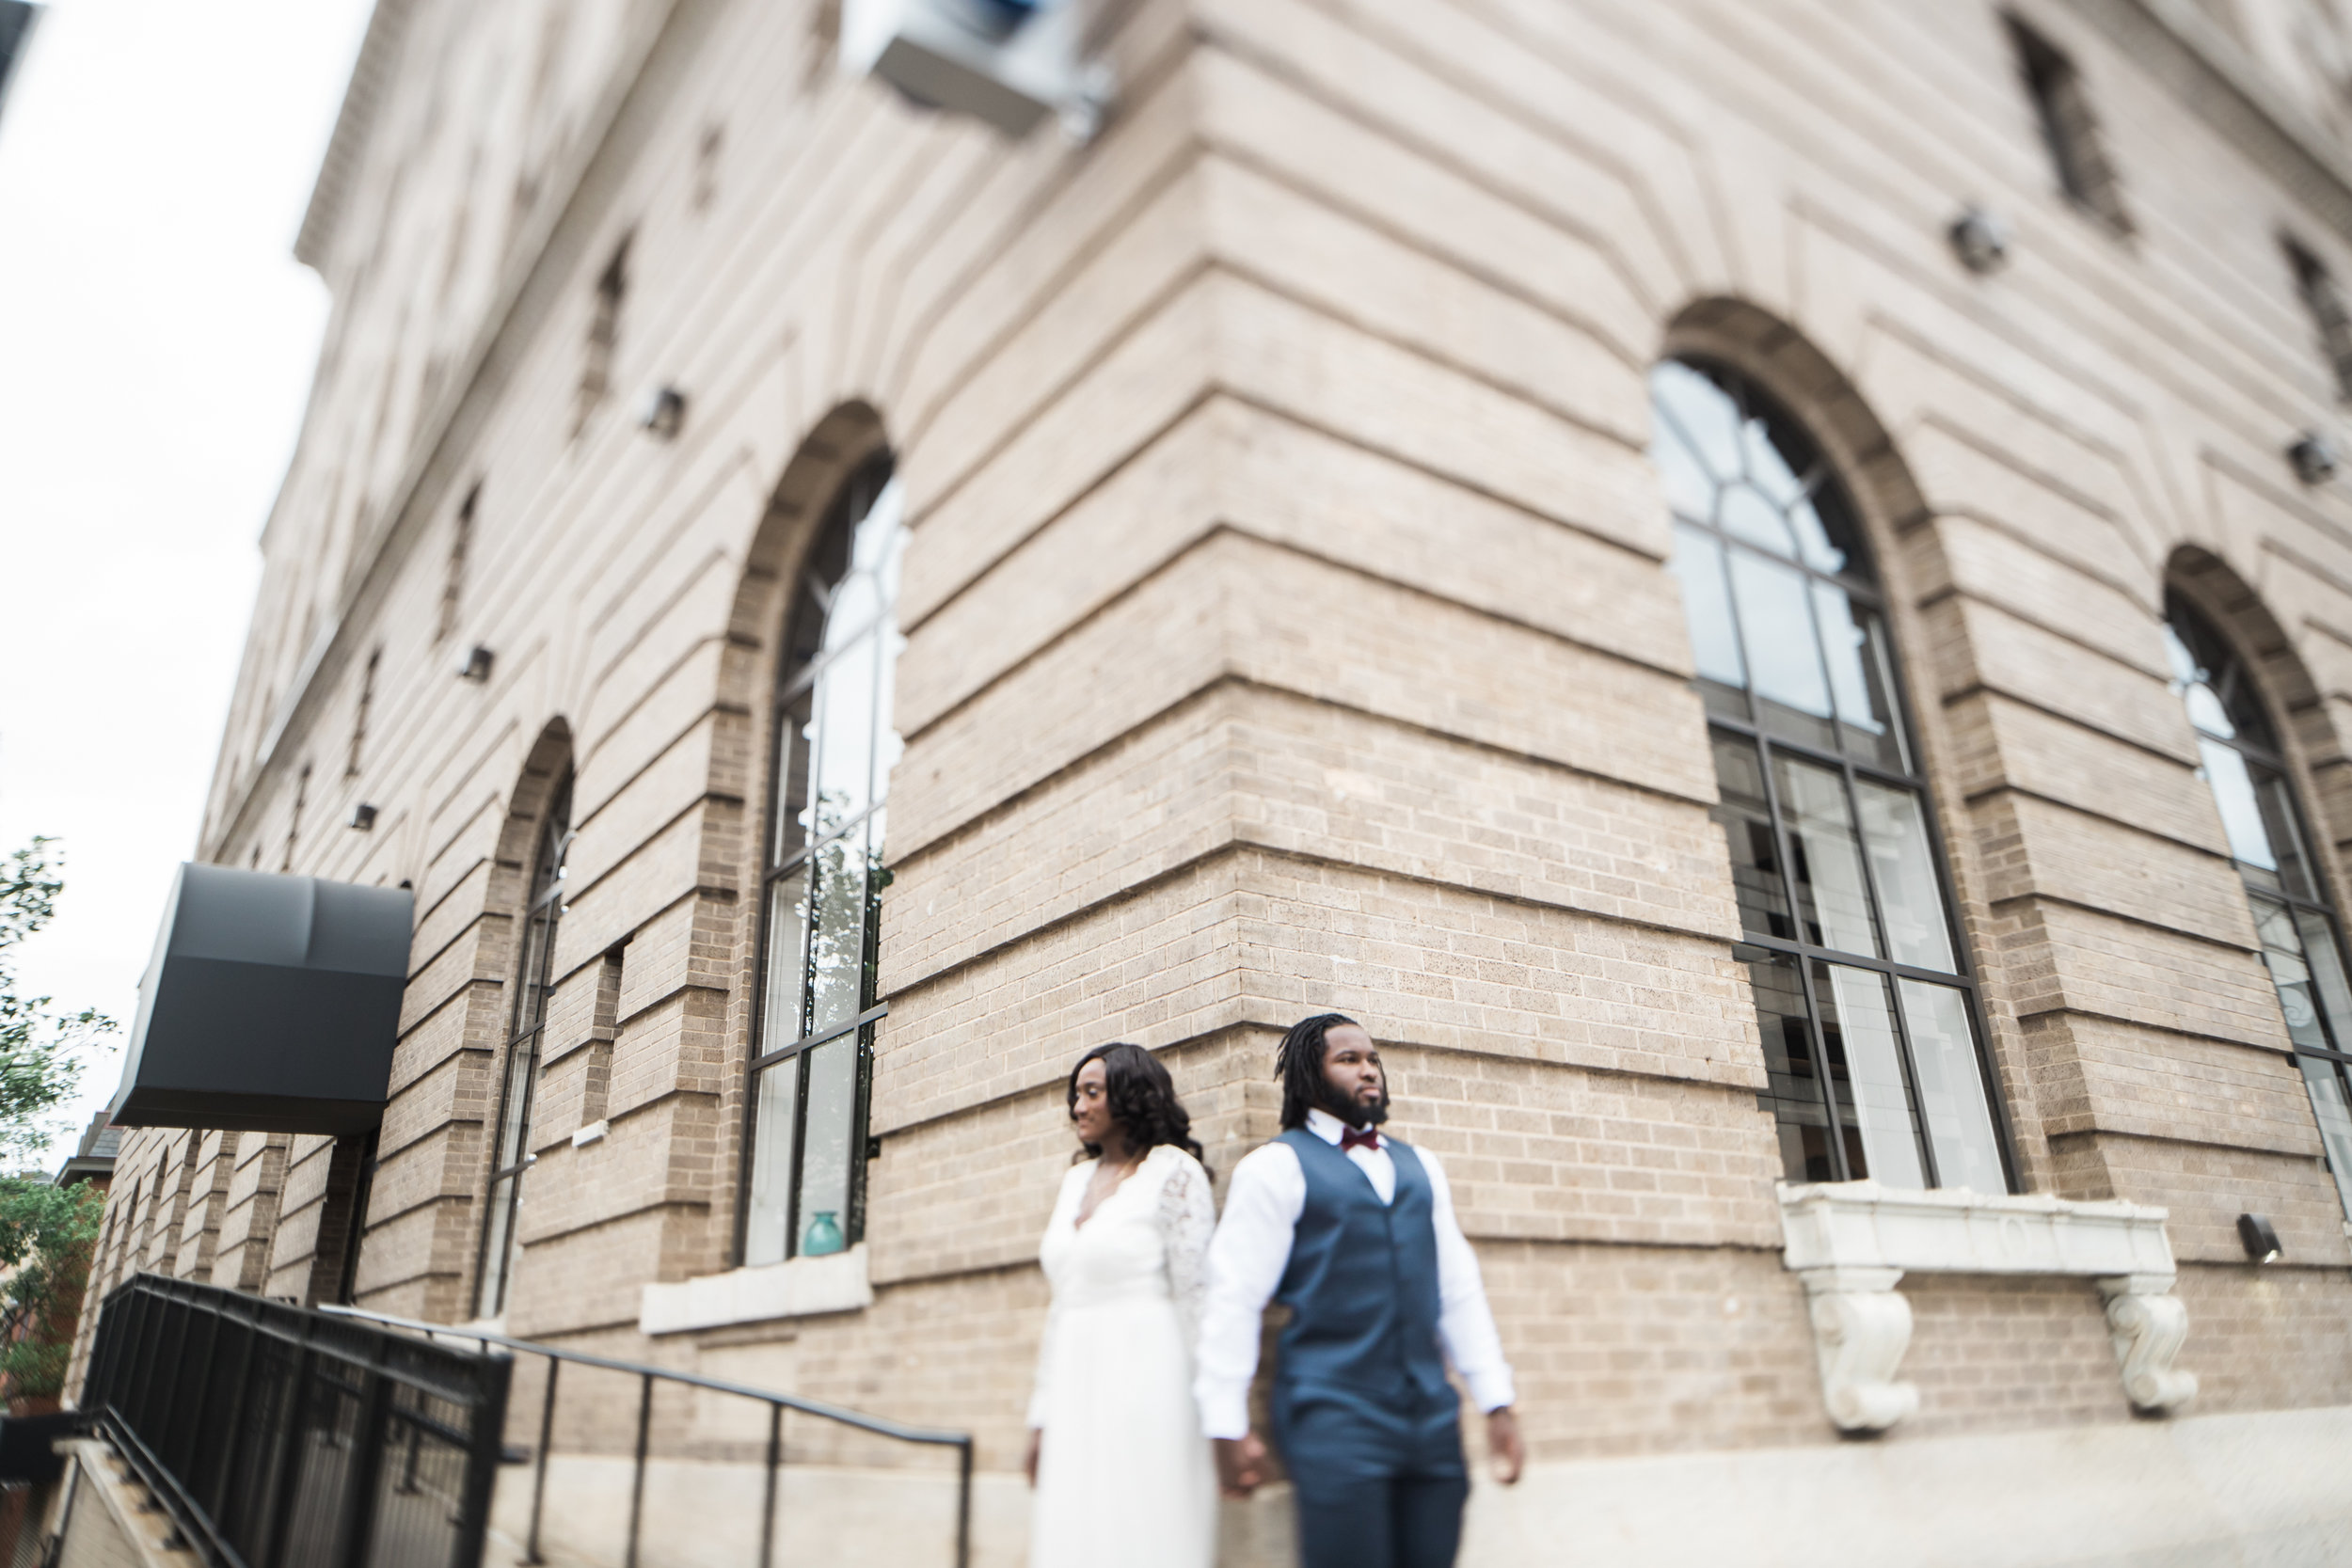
[
  {"x": 1505, "y": 1454},
  {"x": 1240, "y": 1464}
]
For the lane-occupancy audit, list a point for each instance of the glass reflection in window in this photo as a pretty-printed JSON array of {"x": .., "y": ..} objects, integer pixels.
[
  {"x": 535, "y": 980},
  {"x": 2294, "y": 919},
  {"x": 835, "y": 745},
  {"x": 1869, "y": 1020}
]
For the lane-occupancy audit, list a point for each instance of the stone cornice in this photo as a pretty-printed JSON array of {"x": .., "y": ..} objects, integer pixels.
[
  {"x": 371, "y": 74},
  {"x": 522, "y": 301}
]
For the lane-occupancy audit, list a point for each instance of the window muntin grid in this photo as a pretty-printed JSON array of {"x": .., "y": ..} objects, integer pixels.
[
  {"x": 533, "y": 983},
  {"x": 1866, "y": 1004},
  {"x": 2294, "y": 917},
  {"x": 832, "y": 751}
]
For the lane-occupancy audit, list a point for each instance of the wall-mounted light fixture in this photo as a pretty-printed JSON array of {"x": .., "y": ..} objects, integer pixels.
[
  {"x": 1979, "y": 239},
  {"x": 474, "y": 663},
  {"x": 1013, "y": 63},
  {"x": 2314, "y": 457},
  {"x": 363, "y": 817},
  {"x": 663, "y": 411},
  {"x": 2260, "y": 1237}
]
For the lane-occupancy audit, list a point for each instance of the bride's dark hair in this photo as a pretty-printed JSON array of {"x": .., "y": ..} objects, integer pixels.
[{"x": 1142, "y": 1100}]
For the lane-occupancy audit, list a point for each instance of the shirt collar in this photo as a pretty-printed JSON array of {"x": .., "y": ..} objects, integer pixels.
[{"x": 1323, "y": 1125}]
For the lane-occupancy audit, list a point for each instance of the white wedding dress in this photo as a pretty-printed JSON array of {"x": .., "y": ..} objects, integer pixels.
[{"x": 1124, "y": 1474}]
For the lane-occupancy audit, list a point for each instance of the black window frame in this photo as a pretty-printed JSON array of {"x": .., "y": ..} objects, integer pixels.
[
  {"x": 2229, "y": 674},
  {"x": 1827, "y": 492},
  {"x": 802, "y": 661},
  {"x": 526, "y": 1025}
]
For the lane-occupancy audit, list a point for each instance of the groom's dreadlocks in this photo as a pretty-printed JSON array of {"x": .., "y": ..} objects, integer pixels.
[{"x": 1298, "y": 1063}]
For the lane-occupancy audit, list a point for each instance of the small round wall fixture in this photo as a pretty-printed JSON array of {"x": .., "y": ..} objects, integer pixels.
[
  {"x": 2314, "y": 457},
  {"x": 663, "y": 412},
  {"x": 363, "y": 817},
  {"x": 1979, "y": 239},
  {"x": 2260, "y": 1238}
]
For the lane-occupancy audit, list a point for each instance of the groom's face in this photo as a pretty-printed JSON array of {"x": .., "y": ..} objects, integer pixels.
[{"x": 1352, "y": 1076}]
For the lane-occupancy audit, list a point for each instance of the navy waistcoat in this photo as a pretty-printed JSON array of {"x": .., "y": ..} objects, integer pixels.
[{"x": 1362, "y": 1284}]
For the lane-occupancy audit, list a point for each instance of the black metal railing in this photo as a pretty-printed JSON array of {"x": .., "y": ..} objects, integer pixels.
[
  {"x": 277, "y": 1437},
  {"x": 639, "y": 1434}
]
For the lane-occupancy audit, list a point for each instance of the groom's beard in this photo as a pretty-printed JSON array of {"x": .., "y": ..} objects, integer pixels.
[{"x": 1351, "y": 1112}]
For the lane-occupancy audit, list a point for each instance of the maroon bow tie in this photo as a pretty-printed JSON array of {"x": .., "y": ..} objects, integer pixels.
[{"x": 1367, "y": 1137}]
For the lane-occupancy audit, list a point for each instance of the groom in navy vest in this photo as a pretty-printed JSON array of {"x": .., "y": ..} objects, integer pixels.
[{"x": 1352, "y": 1231}]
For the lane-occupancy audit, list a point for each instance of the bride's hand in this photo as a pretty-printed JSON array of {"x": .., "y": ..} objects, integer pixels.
[
  {"x": 1029, "y": 1461},
  {"x": 1240, "y": 1464}
]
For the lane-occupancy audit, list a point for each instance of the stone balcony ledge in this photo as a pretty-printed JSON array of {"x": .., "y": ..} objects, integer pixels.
[
  {"x": 1953, "y": 1230},
  {"x": 1852, "y": 1242}
]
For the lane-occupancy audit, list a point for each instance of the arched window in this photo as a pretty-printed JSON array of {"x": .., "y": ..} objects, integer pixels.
[
  {"x": 533, "y": 979},
  {"x": 1868, "y": 1007},
  {"x": 829, "y": 777},
  {"x": 2293, "y": 916}
]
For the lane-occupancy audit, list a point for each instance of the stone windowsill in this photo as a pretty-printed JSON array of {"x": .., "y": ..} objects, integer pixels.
[
  {"x": 801, "y": 1287},
  {"x": 1953, "y": 1230},
  {"x": 1853, "y": 1242}
]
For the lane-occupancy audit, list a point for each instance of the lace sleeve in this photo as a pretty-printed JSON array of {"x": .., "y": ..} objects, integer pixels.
[{"x": 1188, "y": 1217}]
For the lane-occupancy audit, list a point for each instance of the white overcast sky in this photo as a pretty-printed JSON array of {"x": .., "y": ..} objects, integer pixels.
[{"x": 156, "y": 343}]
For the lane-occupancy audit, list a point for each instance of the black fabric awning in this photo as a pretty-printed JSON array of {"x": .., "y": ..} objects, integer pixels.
[{"x": 272, "y": 1005}]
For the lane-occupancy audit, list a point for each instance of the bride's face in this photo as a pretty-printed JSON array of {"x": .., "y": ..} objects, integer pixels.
[{"x": 1090, "y": 1112}]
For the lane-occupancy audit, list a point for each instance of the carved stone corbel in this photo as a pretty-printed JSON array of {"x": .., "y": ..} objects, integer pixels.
[
  {"x": 1861, "y": 1327},
  {"x": 2146, "y": 1324}
]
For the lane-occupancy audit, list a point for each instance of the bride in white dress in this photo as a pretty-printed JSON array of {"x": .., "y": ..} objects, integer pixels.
[{"x": 1115, "y": 1446}]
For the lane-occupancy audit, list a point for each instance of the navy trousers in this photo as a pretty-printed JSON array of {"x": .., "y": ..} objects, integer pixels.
[{"x": 1376, "y": 1486}]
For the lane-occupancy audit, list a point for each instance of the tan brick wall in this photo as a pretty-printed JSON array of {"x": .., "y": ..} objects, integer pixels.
[{"x": 1288, "y": 628}]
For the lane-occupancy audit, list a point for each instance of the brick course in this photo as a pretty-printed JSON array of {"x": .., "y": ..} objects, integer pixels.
[{"x": 1288, "y": 626}]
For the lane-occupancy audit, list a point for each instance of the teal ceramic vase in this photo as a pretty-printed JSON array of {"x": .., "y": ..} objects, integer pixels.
[{"x": 823, "y": 1235}]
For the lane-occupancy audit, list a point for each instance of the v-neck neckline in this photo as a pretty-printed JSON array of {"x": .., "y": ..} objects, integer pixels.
[{"x": 1079, "y": 1221}]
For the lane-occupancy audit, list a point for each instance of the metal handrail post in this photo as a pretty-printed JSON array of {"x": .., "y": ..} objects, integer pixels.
[
  {"x": 203, "y": 1392},
  {"x": 158, "y": 1419},
  {"x": 539, "y": 1462},
  {"x": 365, "y": 1483},
  {"x": 964, "y": 1504},
  {"x": 235, "y": 1427},
  {"x": 290, "y": 1467},
  {"x": 767, "y": 1502},
  {"x": 493, "y": 1379},
  {"x": 637, "y": 1487}
]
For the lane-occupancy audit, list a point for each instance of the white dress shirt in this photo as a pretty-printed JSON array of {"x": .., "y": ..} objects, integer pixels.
[{"x": 1253, "y": 1247}]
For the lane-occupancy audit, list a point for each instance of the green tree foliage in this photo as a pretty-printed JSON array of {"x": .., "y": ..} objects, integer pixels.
[
  {"x": 41, "y": 1049},
  {"x": 47, "y": 1233},
  {"x": 47, "y": 1236}
]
